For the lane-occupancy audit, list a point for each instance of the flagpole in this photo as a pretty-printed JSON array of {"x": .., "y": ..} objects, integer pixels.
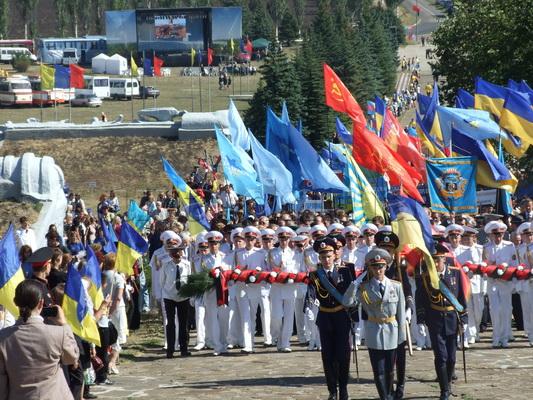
[
  {"x": 200, "y": 87},
  {"x": 209, "y": 89},
  {"x": 192, "y": 80},
  {"x": 131, "y": 82},
  {"x": 144, "y": 87}
]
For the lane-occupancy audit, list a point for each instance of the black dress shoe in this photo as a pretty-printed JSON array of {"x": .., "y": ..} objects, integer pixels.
[
  {"x": 332, "y": 396},
  {"x": 185, "y": 353},
  {"x": 170, "y": 355},
  {"x": 90, "y": 396}
]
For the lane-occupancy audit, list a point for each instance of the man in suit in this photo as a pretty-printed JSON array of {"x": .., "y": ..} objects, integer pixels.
[
  {"x": 327, "y": 286},
  {"x": 384, "y": 302},
  {"x": 441, "y": 317}
]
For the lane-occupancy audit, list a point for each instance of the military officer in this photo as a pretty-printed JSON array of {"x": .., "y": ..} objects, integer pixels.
[
  {"x": 327, "y": 286},
  {"x": 384, "y": 302},
  {"x": 197, "y": 265},
  {"x": 351, "y": 234},
  {"x": 496, "y": 252},
  {"x": 389, "y": 241},
  {"x": 311, "y": 256},
  {"x": 441, "y": 317},
  {"x": 368, "y": 231},
  {"x": 525, "y": 287}
]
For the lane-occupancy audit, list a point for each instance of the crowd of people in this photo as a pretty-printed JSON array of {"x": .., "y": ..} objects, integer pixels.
[{"x": 286, "y": 242}]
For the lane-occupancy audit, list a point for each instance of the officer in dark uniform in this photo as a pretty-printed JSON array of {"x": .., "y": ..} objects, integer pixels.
[
  {"x": 326, "y": 287},
  {"x": 441, "y": 317},
  {"x": 389, "y": 241},
  {"x": 40, "y": 262}
]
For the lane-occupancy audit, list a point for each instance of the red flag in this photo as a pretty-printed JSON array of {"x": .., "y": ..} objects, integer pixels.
[
  {"x": 76, "y": 76},
  {"x": 340, "y": 99},
  {"x": 249, "y": 47},
  {"x": 399, "y": 141},
  {"x": 210, "y": 56},
  {"x": 158, "y": 63},
  {"x": 416, "y": 9},
  {"x": 373, "y": 153}
]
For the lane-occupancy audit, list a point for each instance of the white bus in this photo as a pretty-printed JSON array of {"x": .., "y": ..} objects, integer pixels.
[
  {"x": 97, "y": 85},
  {"x": 52, "y": 50},
  {"x": 124, "y": 88},
  {"x": 7, "y": 53},
  {"x": 15, "y": 90}
]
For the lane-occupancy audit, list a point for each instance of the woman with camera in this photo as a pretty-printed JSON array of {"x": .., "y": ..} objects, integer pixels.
[{"x": 31, "y": 353}]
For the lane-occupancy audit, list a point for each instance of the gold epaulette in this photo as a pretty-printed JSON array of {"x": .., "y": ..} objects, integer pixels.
[{"x": 364, "y": 293}]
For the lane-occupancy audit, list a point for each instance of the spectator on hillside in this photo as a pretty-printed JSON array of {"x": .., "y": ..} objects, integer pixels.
[
  {"x": 114, "y": 203},
  {"x": 25, "y": 235}
]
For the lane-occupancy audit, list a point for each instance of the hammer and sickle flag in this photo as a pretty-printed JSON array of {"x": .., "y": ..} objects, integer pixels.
[{"x": 340, "y": 99}]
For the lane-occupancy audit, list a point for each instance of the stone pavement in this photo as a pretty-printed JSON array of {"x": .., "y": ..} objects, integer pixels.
[{"x": 267, "y": 374}]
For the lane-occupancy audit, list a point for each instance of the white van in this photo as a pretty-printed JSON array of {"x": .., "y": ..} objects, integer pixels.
[
  {"x": 6, "y": 53},
  {"x": 123, "y": 88},
  {"x": 70, "y": 56},
  {"x": 97, "y": 85}
]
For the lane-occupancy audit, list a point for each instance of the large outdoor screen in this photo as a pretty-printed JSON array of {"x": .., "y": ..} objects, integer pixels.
[
  {"x": 172, "y": 30},
  {"x": 226, "y": 24},
  {"x": 121, "y": 31}
]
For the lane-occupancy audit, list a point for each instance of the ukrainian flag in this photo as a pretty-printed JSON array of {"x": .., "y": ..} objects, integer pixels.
[
  {"x": 131, "y": 246},
  {"x": 431, "y": 118},
  {"x": 411, "y": 224},
  {"x": 517, "y": 116},
  {"x": 109, "y": 235},
  {"x": 433, "y": 148},
  {"x": 189, "y": 199},
  {"x": 380, "y": 114},
  {"x": 10, "y": 271},
  {"x": 91, "y": 270},
  {"x": 489, "y": 97},
  {"x": 76, "y": 308}
]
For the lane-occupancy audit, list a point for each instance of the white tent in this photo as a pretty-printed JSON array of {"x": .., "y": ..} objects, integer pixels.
[
  {"x": 116, "y": 65},
  {"x": 99, "y": 63}
]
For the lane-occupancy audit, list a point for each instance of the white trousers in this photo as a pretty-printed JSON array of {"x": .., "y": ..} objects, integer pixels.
[
  {"x": 474, "y": 307},
  {"x": 218, "y": 321},
  {"x": 235, "y": 337},
  {"x": 526, "y": 299},
  {"x": 501, "y": 309},
  {"x": 311, "y": 328},
  {"x": 201, "y": 321},
  {"x": 282, "y": 320},
  {"x": 303, "y": 334},
  {"x": 266, "y": 315}
]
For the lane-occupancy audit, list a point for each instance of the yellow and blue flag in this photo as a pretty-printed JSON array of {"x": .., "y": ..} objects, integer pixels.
[
  {"x": 136, "y": 216},
  {"x": 411, "y": 223},
  {"x": 47, "y": 77},
  {"x": 489, "y": 97},
  {"x": 76, "y": 308},
  {"x": 109, "y": 236},
  {"x": 92, "y": 271},
  {"x": 134, "y": 68},
  {"x": 11, "y": 273},
  {"x": 193, "y": 56},
  {"x": 380, "y": 113},
  {"x": 431, "y": 120},
  {"x": 433, "y": 148},
  {"x": 517, "y": 116},
  {"x": 191, "y": 201},
  {"x": 131, "y": 246},
  {"x": 463, "y": 99}
]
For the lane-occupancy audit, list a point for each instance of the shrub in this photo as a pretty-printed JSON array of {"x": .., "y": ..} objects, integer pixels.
[{"x": 21, "y": 62}]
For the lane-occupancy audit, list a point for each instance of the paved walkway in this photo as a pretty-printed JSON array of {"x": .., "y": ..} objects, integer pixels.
[{"x": 146, "y": 373}]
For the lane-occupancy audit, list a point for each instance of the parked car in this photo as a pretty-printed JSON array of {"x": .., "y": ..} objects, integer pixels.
[
  {"x": 148, "y": 91},
  {"x": 86, "y": 100}
]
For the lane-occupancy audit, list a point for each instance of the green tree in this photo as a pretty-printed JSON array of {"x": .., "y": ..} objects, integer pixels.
[
  {"x": 4, "y": 20},
  {"x": 61, "y": 10},
  {"x": 384, "y": 59},
  {"x": 279, "y": 82},
  {"x": 261, "y": 25},
  {"x": 27, "y": 10},
  {"x": 277, "y": 10},
  {"x": 299, "y": 13},
  {"x": 490, "y": 38},
  {"x": 288, "y": 30}
]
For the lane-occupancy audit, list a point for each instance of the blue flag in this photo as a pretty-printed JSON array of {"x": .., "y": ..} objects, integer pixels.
[
  {"x": 61, "y": 77},
  {"x": 10, "y": 271},
  {"x": 239, "y": 169},
  {"x": 276, "y": 179},
  {"x": 467, "y": 146},
  {"x": 464, "y": 99},
  {"x": 147, "y": 66},
  {"x": 109, "y": 236},
  {"x": 423, "y": 103},
  {"x": 452, "y": 184},
  {"x": 476, "y": 124},
  {"x": 278, "y": 143},
  {"x": 139, "y": 218},
  {"x": 237, "y": 129},
  {"x": 343, "y": 133}
]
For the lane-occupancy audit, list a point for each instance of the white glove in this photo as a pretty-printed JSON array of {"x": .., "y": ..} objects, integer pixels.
[
  {"x": 408, "y": 315},
  {"x": 465, "y": 328},
  {"x": 309, "y": 314},
  {"x": 422, "y": 330}
]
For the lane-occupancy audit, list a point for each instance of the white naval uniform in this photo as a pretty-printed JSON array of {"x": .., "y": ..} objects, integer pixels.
[
  {"x": 249, "y": 296},
  {"x": 235, "y": 336},
  {"x": 500, "y": 292},
  {"x": 283, "y": 297},
  {"x": 301, "y": 291},
  {"x": 478, "y": 286},
  {"x": 525, "y": 289},
  {"x": 202, "y": 324},
  {"x": 159, "y": 258},
  {"x": 350, "y": 256},
  {"x": 217, "y": 315}
]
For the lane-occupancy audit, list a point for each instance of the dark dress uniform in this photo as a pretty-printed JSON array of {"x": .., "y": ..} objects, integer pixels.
[
  {"x": 39, "y": 259},
  {"x": 441, "y": 318},
  {"x": 333, "y": 324}
]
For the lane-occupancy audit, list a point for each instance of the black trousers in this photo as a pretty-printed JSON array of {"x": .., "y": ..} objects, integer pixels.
[
  {"x": 102, "y": 353},
  {"x": 181, "y": 308},
  {"x": 444, "y": 348},
  {"x": 382, "y": 361},
  {"x": 400, "y": 363}
]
